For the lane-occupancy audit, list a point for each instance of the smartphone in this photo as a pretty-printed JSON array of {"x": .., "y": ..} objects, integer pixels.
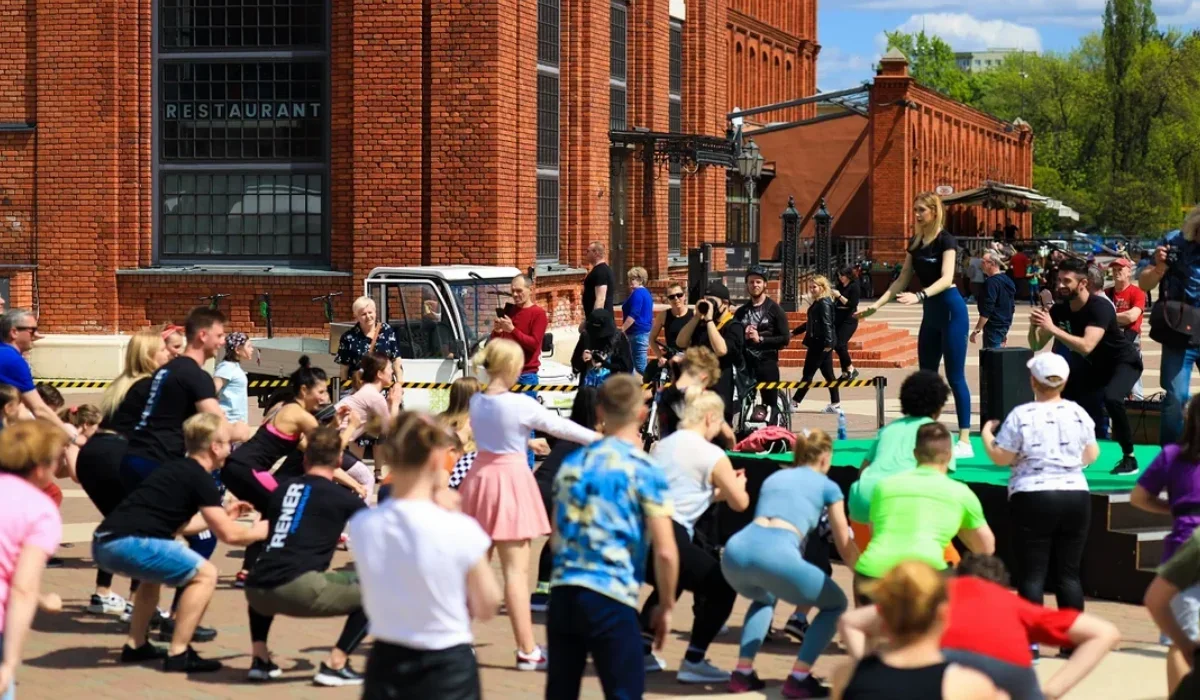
[{"x": 500, "y": 312}]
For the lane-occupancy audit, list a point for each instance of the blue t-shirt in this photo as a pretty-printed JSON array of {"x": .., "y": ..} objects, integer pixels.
[
  {"x": 1182, "y": 281},
  {"x": 234, "y": 397},
  {"x": 797, "y": 495},
  {"x": 640, "y": 307},
  {"x": 14, "y": 370},
  {"x": 603, "y": 495}
]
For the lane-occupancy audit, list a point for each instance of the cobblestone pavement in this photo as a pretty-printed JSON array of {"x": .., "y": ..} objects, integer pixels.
[{"x": 74, "y": 654}]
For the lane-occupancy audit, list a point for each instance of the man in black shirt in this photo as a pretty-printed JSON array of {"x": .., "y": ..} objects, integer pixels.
[
  {"x": 1104, "y": 363},
  {"x": 599, "y": 285},
  {"x": 138, "y": 540},
  {"x": 767, "y": 332},
  {"x": 307, "y": 516},
  {"x": 714, "y": 327}
]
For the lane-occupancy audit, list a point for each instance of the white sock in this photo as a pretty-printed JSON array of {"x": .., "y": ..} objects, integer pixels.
[{"x": 799, "y": 675}]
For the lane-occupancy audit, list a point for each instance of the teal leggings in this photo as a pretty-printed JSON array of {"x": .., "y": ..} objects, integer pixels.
[{"x": 765, "y": 564}]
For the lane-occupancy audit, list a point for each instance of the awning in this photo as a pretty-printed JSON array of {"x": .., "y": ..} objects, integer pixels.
[{"x": 999, "y": 195}]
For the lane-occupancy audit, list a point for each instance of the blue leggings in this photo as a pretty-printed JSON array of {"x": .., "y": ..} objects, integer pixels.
[
  {"x": 765, "y": 564},
  {"x": 944, "y": 330}
]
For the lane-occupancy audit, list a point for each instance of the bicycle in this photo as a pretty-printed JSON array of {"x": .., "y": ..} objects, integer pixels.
[
  {"x": 745, "y": 396},
  {"x": 651, "y": 432}
]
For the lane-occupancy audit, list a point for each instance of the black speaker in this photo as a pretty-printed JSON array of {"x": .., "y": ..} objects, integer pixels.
[{"x": 1003, "y": 382}]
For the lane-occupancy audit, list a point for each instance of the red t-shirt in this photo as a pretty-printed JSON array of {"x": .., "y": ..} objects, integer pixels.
[
  {"x": 993, "y": 621},
  {"x": 1020, "y": 265},
  {"x": 1131, "y": 297},
  {"x": 529, "y": 327}
]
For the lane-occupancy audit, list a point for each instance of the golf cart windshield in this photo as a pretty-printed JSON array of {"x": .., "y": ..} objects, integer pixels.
[{"x": 477, "y": 303}]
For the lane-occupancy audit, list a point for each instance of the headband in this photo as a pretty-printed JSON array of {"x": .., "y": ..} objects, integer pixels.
[
  {"x": 170, "y": 331},
  {"x": 233, "y": 341}
]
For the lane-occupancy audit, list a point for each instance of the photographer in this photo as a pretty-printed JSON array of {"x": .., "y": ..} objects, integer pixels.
[
  {"x": 721, "y": 333},
  {"x": 766, "y": 332},
  {"x": 601, "y": 350},
  {"x": 1176, "y": 272}
]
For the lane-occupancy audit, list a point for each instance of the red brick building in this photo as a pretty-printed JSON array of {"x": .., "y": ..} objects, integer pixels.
[{"x": 156, "y": 151}]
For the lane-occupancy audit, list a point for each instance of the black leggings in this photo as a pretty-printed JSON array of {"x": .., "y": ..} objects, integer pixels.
[
  {"x": 814, "y": 359},
  {"x": 1098, "y": 390},
  {"x": 240, "y": 481},
  {"x": 353, "y": 632},
  {"x": 845, "y": 331},
  {"x": 700, "y": 573},
  {"x": 98, "y": 468},
  {"x": 1050, "y": 526},
  {"x": 765, "y": 371}
]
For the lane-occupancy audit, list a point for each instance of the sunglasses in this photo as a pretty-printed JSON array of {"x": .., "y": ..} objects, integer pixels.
[
  {"x": 31, "y": 329},
  {"x": 675, "y": 296}
]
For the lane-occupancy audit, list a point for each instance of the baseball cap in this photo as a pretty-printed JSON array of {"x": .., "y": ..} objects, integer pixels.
[
  {"x": 1122, "y": 262},
  {"x": 718, "y": 290},
  {"x": 1046, "y": 365}
]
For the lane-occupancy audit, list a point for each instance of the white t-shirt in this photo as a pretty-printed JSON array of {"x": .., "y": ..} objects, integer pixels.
[
  {"x": 1049, "y": 439},
  {"x": 412, "y": 559},
  {"x": 502, "y": 423},
  {"x": 688, "y": 460}
]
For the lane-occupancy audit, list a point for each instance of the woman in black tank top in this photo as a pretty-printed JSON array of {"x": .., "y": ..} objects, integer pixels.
[{"x": 912, "y": 603}]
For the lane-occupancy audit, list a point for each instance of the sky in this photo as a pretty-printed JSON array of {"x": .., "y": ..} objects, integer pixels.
[{"x": 851, "y": 31}]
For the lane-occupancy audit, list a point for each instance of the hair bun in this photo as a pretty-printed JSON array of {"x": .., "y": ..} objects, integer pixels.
[{"x": 305, "y": 362}]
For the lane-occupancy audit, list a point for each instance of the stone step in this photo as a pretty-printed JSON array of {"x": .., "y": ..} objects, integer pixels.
[
  {"x": 874, "y": 351},
  {"x": 895, "y": 361}
]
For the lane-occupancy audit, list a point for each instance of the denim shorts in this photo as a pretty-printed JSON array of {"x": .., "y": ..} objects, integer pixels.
[
  {"x": 1186, "y": 607},
  {"x": 152, "y": 559}
]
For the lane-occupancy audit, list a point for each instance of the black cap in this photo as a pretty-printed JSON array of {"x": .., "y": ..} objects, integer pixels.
[
  {"x": 718, "y": 290},
  {"x": 758, "y": 271},
  {"x": 600, "y": 323}
]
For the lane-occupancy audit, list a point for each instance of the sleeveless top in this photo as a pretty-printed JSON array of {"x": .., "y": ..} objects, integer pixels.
[
  {"x": 264, "y": 448},
  {"x": 672, "y": 327},
  {"x": 873, "y": 679}
]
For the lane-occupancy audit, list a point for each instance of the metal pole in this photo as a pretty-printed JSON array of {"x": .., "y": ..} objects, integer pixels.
[
  {"x": 880, "y": 385},
  {"x": 753, "y": 227}
]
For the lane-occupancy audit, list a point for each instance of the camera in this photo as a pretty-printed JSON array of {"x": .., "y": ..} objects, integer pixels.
[
  {"x": 1172, "y": 256},
  {"x": 703, "y": 307}
]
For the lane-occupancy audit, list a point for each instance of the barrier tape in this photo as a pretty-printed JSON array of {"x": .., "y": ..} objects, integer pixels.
[{"x": 282, "y": 383}]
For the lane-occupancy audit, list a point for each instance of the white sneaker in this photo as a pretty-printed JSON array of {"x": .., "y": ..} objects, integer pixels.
[
  {"x": 963, "y": 450},
  {"x": 700, "y": 673},
  {"x": 127, "y": 614},
  {"x": 537, "y": 660},
  {"x": 654, "y": 663},
  {"x": 111, "y": 604},
  {"x": 832, "y": 408}
]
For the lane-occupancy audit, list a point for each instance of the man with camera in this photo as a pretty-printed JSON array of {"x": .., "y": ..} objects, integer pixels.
[
  {"x": 766, "y": 332},
  {"x": 1175, "y": 319},
  {"x": 714, "y": 326}
]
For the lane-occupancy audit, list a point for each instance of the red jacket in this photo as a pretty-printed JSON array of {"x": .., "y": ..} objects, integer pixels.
[{"x": 529, "y": 327}]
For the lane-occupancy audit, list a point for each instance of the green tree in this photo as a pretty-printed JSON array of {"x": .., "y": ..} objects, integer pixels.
[
  {"x": 1129, "y": 25},
  {"x": 931, "y": 63}
]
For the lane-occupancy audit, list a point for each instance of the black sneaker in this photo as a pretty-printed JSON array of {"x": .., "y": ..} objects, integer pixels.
[
  {"x": 190, "y": 662},
  {"x": 202, "y": 634},
  {"x": 146, "y": 652},
  {"x": 332, "y": 678},
  {"x": 848, "y": 376},
  {"x": 1127, "y": 465},
  {"x": 740, "y": 682},
  {"x": 263, "y": 670}
]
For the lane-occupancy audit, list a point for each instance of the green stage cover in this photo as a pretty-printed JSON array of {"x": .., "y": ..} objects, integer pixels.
[{"x": 980, "y": 470}]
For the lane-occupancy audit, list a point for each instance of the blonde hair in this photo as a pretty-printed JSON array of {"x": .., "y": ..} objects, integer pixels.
[
  {"x": 29, "y": 444},
  {"x": 908, "y": 598},
  {"x": 618, "y": 401},
  {"x": 360, "y": 304},
  {"x": 500, "y": 357},
  {"x": 1191, "y": 225},
  {"x": 637, "y": 274},
  {"x": 698, "y": 404},
  {"x": 139, "y": 364},
  {"x": 823, "y": 282},
  {"x": 698, "y": 360},
  {"x": 81, "y": 415},
  {"x": 409, "y": 441},
  {"x": 456, "y": 417},
  {"x": 199, "y": 431},
  {"x": 810, "y": 445},
  {"x": 934, "y": 203}
]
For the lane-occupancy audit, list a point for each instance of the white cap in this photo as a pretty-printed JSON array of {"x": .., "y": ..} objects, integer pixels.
[{"x": 1045, "y": 365}]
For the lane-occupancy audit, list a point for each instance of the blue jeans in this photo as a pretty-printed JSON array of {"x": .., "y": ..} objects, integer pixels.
[
  {"x": 1176, "y": 374},
  {"x": 944, "y": 330},
  {"x": 765, "y": 564},
  {"x": 639, "y": 345},
  {"x": 529, "y": 379},
  {"x": 583, "y": 621},
  {"x": 148, "y": 559},
  {"x": 994, "y": 336}
]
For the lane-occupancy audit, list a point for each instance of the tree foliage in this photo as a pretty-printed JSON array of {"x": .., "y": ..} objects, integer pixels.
[{"x": 1115, "y": 119}]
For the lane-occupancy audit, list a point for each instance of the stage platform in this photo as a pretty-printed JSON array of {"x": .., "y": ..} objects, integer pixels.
[{"x": 1124, "y": 545}]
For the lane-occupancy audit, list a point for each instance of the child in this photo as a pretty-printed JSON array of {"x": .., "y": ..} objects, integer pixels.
[
  {"x": 232, "y": 384},
  {"x": 86, "y": 418},
  {"x": 1035, "y": 280},
  {"x": 10, "y": 405}
]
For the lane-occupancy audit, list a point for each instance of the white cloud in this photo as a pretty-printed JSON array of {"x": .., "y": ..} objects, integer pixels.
[
  {"x": 1078, "y": 13},
  {"x": 964, "y": 32},
  {"x": 838, "y": 69}
]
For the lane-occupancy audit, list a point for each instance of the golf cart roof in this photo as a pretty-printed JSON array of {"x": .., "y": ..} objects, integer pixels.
[{"x": 449, "y": 273}]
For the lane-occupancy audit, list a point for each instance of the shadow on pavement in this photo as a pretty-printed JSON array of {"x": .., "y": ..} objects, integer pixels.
[
  {"x": 77, "y": 657},
  {"x": 78, "y": 621}
]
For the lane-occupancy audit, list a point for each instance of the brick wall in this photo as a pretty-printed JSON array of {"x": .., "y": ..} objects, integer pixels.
[{"x": 772, "y": 53}]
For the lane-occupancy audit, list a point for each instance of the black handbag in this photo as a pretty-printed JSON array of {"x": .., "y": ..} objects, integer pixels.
[{"x": 1174, "y": 323}]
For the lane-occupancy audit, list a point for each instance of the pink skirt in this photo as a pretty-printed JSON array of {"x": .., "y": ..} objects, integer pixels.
[{"x": 501, "y": 493}]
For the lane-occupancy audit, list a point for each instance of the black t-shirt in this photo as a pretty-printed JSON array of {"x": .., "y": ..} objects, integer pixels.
[
  {"x": 927, "y": 260},
  {"x": 601, "y": 275},
  {"x": 1113, "y": 348},
  {"x": 734, "y": 334},
  {"x": 174, "y": 390},
  {"x": 307, "y": 516},
  {"x": 163, "y": 503},
  {"x": 129, "y": 411},
  {"x": 843, "y": 312}
]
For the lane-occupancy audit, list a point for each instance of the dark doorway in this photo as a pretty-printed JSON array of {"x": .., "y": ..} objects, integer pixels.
[{"x": 618, "y": 213}]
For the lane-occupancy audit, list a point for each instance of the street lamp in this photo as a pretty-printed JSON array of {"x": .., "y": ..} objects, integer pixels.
[
  {"x": 788, "y": 262},
  {"x": 750, "y": 165},
  {"x": 823, "y": 245}
]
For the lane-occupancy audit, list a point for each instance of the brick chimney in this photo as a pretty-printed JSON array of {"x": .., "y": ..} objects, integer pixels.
[{"x": 893, "y": 65}]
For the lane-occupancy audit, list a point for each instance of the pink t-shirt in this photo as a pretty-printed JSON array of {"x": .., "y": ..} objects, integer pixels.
[
  {"x": 368, "y": 401},
  {"x": 27, "y": 516}
]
